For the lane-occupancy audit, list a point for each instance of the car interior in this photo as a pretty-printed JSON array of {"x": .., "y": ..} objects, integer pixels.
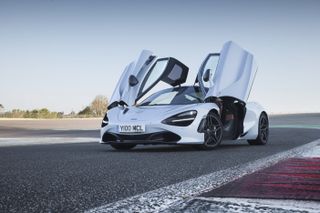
[{"x": 232, "y": 117}]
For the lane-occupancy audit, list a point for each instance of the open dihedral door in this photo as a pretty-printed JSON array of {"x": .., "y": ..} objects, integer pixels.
[
  {"x": 128, "y": 84},
  {"x": 234, "y": 74},
  {"x": 206, "y": 71},
  {"x": 229, "y": 76},
  {"x": 141, "y": 76}
]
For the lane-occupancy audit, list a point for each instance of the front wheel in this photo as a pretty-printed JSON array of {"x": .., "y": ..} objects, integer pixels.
[
  {"x": 123, "y": 146},
  {"x": 263, "y": 131},
  {"x": 213, "y": 131}
]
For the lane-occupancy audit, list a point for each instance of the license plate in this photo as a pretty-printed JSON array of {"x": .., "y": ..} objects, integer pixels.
[{"x": 133, "y": 128}]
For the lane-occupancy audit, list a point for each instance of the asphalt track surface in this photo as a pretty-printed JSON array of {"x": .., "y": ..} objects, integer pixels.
[{"x": 77, "y": 177}]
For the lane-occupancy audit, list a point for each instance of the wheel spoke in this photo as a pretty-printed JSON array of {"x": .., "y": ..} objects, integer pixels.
[
  {"x": 213, "y": 131},
  {"x": 264, "y": 128},
  {"x": 210, "y": 139},
  {"x": 263, "y": 135},
  {"x": 215, "y": 139}
]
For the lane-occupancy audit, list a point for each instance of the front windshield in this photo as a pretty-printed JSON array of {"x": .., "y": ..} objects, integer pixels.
[{"x": 175, "y": 96}]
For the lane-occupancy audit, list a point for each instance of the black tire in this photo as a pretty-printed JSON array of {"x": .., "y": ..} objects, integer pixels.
[
  {"x": 263, "y": 131},
  {"x": 123, "y": 146},
  {"x": 213, "y": 132}
]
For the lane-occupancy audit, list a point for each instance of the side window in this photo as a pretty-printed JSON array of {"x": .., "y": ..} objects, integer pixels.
[
  {"x": 176, "y": 73},
  {"x": 210, "y": 64},
  {"x": 166, "y": 70},
  {"x": 153, "y": 75}
]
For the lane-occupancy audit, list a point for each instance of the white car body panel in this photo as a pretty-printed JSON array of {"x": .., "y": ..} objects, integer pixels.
[
  {"x": 235, "y": 73},
  {"x": 120, "y": 88},
  {"x": 250, "y": 123}
]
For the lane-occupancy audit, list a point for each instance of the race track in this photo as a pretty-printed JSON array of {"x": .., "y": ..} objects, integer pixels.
[{"x": 72, "y": 177}]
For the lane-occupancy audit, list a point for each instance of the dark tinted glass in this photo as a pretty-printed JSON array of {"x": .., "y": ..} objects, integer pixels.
[{"x": 175, "y": 96}]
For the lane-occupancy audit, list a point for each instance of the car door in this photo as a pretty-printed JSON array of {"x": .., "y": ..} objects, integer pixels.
[
  {"x": 141, "y": 76},
  {"x": 234, "y": 73},
  {"x": 207, "y": 71},
  {"x": 168, "y": 70},
  {"x": 123, "y": 91}
]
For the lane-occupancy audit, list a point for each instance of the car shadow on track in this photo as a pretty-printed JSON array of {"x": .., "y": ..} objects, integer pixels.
[{"x": 179, "y": 148}]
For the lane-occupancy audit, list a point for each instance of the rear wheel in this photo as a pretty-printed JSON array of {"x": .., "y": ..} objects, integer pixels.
[
  {"x": 263, "y": 131},
  {"x": 213, "y": 131},
  {"x": 123, "y": 146}
]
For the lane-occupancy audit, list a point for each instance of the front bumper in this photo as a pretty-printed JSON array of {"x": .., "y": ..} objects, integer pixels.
[
  {"x": 157, "y": 132},
  {"x": 164, "y": 137}
]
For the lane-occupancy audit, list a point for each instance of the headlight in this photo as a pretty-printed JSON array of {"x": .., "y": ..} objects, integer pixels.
[
  {"x": 182, "y": 119},
  {"x": 105, "y": 121}
]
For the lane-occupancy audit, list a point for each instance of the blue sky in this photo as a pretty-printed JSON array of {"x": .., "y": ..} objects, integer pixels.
[{"x": 61, "y": 54}]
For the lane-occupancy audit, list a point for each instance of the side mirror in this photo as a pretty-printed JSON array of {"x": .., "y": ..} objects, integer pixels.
[
  {"x": 206, "y": 75},
  {"x": 133, "y": 80}
]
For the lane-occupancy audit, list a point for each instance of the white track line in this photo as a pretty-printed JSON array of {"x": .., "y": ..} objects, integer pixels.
[
  {"x": 5, "y": 142},
  {"x": 160, "y": 199}
]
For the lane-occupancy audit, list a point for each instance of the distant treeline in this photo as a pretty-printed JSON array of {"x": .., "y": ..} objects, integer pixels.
[
  {"x": 97, "y": 108},
  {"x": 41, "y": 113}
]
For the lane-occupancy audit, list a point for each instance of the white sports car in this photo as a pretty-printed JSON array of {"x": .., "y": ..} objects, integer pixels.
[{"x": 215, "y": 108}]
